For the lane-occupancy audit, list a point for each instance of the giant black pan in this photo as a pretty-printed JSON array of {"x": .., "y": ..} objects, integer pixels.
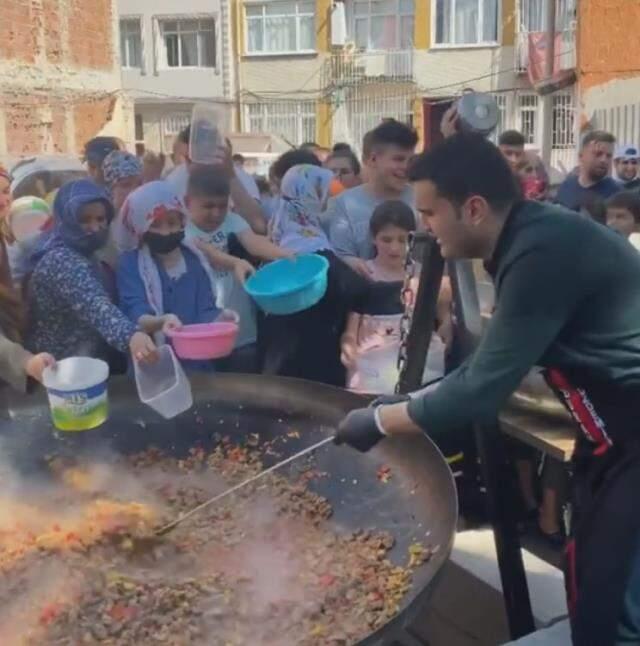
[{"x": 418, "y": 503}]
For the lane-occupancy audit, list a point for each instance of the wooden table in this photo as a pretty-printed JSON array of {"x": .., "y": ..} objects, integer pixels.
[{"x": 554, "y": 437}]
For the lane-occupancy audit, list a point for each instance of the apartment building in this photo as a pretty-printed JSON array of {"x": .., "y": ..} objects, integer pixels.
[
  {"x": 329, "y": 71},
  {"x": 175, "y": 53}
]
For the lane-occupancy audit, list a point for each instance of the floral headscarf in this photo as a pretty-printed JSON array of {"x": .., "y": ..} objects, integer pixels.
[
  {"x": 298, "y": 223},
  {"x": 118, "y": 165},
  {"x": 139, "y": 211}
]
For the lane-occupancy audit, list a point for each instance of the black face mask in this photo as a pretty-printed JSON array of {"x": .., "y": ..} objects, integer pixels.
[{"x": 160, "y": 243}]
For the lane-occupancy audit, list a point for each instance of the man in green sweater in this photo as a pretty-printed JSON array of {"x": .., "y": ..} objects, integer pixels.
[{"x": 567, "y": 299}]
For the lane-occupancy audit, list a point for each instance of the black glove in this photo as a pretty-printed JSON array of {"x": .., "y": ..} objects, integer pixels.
[
  {"x": 359, "y": 430},
  {"x": 389, "y": 400}
]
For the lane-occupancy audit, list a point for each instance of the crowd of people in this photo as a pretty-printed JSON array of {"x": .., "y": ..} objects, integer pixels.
[{"x": 132, "y": 252}]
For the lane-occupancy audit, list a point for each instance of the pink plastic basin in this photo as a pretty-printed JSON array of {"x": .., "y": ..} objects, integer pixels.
[{"x": 205, "y": 340}]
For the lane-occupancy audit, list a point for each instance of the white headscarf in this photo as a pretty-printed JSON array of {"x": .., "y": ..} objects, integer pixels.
[{"x": 138, "y": 213}]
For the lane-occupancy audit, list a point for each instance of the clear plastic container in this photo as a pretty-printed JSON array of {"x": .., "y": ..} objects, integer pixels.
[
  {"x": 163, "y": 385},
  {"x": 206, "y": 140}
]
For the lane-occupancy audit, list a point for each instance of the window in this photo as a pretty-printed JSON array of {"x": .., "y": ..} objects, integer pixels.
[
  {"x": 281, "y": 27},
  {"x": 528, "y": 107},
  {"x": 383, "y": 24},
  {"x": 562, "y": 133},
  {"x": 294, "y": 121},
  {"x": 533, "y": 15},
  {"x": 130, "y": 43},
  {"x": 466, "y": 22},
  {"x": 501, "y": 102},
  {"x": 175, "y": 123},
  {"x": 189, "y": 43}
]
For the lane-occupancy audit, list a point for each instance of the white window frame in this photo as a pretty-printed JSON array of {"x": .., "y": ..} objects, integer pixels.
[
  {"x": 295, "y": 52},
  {"x": 480, "y": 44},
  {"x": 529, "y": 102},
  {"x": 299, "y": 110},
  {"x": 131, "y": 19},
  {"x": 354, "y": 17},
  {"x": 160, "y": 21}
]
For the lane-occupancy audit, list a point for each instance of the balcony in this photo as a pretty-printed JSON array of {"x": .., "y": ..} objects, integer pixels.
[
  {"x": 532, "y": 23},
  {"x": 351, "y": 67}
]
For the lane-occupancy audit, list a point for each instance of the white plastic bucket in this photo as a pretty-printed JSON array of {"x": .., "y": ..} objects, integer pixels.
[
  {"x": 163, "y": 385},
  {"x": 77, "y": 389}
]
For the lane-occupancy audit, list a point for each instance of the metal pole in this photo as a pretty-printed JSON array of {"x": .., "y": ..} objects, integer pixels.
[
  {"x": 547, "y": 100},
  {"x": 424, "y": 314}
]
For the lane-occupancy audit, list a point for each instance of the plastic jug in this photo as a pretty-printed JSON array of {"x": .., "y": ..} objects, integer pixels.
[
  {"x": 163, "y": 385},
  {"x": 206, "y": 139}
]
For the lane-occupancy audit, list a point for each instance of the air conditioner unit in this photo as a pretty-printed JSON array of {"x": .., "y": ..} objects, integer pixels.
[{"x": 338, "y": 24}]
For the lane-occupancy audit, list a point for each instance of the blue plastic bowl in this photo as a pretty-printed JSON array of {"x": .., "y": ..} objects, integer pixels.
[{"x": 289, "y": 286}]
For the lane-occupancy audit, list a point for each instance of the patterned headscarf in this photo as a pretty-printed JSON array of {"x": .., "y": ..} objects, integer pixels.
[
  {"x": 298, "y": 223},
  {"x": 138, "y": 213},
  {"x": 67, "y": 207},
  {"x": 120, "y": 164}
]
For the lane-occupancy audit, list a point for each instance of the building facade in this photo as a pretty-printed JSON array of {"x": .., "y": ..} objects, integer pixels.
[
  {"x": 329, "y": 71},
  {"x": 175, "y": 53},
  {"x": 60, "y": 79}
]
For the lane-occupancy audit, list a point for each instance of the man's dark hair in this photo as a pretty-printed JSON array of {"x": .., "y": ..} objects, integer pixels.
[
  {"x": 511, "y": 138},
  {"x": 342, "y": 147},
  {"x": 389, "y": 132},
  {"x": 627, "y": 200},
  {"x": 185, "y": 135},
  {"x": 467, "y": 164},
  {"x": 392, "y": 213},
  {"x": 97, "y": 149},
  {"x": 293, "y": 158},
  {"x": 309, "y": 145},
  {"x": 238, "y": 158},
  {"x": 348, "y": 155},
  {"x": 597, "y": 136},
  {"x": 205, "y": 181}
]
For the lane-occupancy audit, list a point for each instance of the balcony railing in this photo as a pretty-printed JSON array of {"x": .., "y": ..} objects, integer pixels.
[{"x": 352, "y": 67}]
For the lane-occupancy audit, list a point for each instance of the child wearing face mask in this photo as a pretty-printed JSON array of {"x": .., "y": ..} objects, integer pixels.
[
  {"x": 70, "y": 294},
  {"x": 371, "y": 342},
  {"x": 163, "y": 281}
]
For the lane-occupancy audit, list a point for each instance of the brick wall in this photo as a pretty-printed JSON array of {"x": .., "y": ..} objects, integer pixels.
[
  {"x": 17, "y": 37},
  {"x": 57, "y": 73},
  {"x": 91, "y": 44},
  {"x": 608, "y": 43}
]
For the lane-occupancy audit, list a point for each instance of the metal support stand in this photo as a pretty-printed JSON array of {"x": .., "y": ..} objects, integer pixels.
[
  {"x": 424, "y": 311},
  {"x": 497, "y": 472}
]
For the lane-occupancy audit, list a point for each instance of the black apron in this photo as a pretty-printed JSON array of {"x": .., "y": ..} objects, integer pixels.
[{"x": 605, "y": 517}]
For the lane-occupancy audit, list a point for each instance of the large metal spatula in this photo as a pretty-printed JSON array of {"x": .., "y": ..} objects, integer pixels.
[{"x": 174, "y": 523}]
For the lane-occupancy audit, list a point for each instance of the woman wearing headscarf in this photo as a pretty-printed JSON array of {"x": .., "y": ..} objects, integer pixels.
[
  {"x": 72, "y": 309},
  {"x": 163, "y": 281},
  {"x": 307, "y": 344}
]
